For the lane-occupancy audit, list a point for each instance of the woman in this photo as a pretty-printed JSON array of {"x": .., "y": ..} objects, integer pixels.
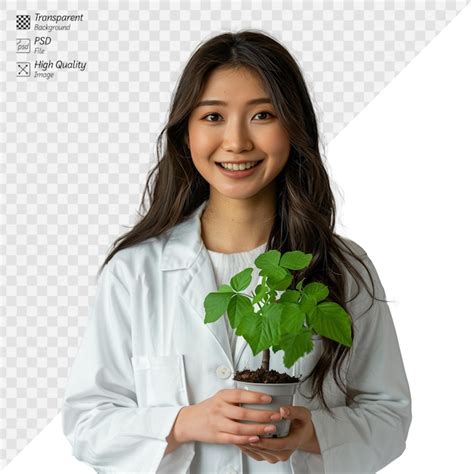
[{"x": 151, "y": 387}]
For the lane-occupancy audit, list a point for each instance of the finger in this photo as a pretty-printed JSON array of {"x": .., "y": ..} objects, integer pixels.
[
  {"x": 240, "y": 413},
  {"x": 272, "y": 458},
  {"x": 276, "y": 444},
  {"x": 230, "y": 438},
  {"x": 252, "y": 454},
  {"x": 237, "y": 395},
  {"x": 248, "y": 429},
  {"x": 295, "y": 412},
  {"x": 282, "y": 455}
]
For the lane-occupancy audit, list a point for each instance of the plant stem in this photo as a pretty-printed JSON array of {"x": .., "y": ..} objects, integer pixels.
[
  {"x": 266, "y": 359},
  {"x": 266, "y": 352}
]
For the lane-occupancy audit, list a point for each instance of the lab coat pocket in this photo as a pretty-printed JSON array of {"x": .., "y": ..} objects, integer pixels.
[{"x": 159, "y": 380}]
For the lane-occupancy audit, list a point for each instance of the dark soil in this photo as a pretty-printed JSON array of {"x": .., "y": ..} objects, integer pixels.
[{"x": 263, "y": 376}]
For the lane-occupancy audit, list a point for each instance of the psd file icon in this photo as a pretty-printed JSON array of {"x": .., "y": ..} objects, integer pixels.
[
  {"x": 23, "y": 22},
  {"x": 23, "y": 45}
]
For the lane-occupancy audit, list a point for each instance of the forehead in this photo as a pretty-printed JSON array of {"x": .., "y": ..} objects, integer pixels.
[{"x": 233, "y": 85}]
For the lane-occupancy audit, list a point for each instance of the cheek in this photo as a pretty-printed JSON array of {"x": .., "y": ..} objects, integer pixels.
[
  {"x": 202, "y": 150},
  {"x": 277, "y": 144},
  {"x": 201, "y": 135},
  {"x": 202, "y": 145},
  {"x": 200, "y": 141}
]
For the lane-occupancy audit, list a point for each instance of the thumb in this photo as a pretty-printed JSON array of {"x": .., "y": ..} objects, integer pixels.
[{"x": 291, "y": 412}]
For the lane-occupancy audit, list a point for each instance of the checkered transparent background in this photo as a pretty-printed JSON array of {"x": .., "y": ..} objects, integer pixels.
[{"x": 76, "y": 148}]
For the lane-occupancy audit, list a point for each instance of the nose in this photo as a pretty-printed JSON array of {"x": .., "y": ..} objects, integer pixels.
[{"x": 236, "y": 137}]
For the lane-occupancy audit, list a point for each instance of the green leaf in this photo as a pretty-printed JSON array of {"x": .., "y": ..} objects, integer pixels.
[
  {"x": 215, "y": 305},
  {"x": 270, "y": 297},
  {"x": 295, "y": 346},
  {"x": 316, "y": 291},
  {"x": 307, "y": 303},
  {"x": 259, "y": 293},
  {"x": 225, "y": 289},
  {"x": 330, "y": 320},
  {"x": 274, "y": 273},
  {"x": 250, "y": 327},
  {"x": 239, "y": 307},
  {"x": 290, "y": 296},
  {"x": 299, "y": 284},
  {"x": 261, "y": 331},
  {"x": 271, "y": 257},
  {"x": 240, "y": 281},
  {"x": 270, "y": 330},
  {"x": 292, "y": 318},
  {"x": 295, "y": 260},
  {"x": 283, "y": 283}
]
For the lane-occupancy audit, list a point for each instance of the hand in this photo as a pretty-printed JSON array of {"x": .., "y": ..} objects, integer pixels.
[
  {"x": 215, "y": 420},
  {"x": 301, "y": 435}
]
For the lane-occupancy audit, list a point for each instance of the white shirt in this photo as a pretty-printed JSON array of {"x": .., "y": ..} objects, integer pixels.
[
  {"x": 225, "y": 266},
  {"x": 146, "y": 353}
]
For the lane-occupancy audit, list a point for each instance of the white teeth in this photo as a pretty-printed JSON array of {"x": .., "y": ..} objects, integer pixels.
[{"x": 241, "y": 166}]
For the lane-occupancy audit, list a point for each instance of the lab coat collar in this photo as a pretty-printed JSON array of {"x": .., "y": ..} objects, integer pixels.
[
  {"x": 184, "y": 250},
  {"x": 184, "y": 242}
]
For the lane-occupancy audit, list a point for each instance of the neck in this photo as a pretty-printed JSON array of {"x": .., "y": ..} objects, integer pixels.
[{"x": 236, "y": 225}]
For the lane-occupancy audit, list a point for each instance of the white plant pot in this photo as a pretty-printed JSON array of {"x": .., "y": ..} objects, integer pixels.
[{"x": 282, "y": 395}]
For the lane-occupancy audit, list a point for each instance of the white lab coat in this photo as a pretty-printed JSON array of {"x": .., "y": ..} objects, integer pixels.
[{"x": 146, "y": 353}]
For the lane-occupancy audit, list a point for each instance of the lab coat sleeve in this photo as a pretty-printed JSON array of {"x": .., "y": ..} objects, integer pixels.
[
  {"x": 100, "y": 415},
  {"x": 370, "y": 434}
]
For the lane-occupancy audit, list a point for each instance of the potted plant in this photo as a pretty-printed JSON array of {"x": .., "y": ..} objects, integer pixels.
[{"x": 285, "y": 320}]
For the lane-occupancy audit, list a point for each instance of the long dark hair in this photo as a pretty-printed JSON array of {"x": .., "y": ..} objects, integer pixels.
[{"x": 305, "y": 205}]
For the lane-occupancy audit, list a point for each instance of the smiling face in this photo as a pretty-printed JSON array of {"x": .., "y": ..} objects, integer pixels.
[{"x": 237, "y": 131}]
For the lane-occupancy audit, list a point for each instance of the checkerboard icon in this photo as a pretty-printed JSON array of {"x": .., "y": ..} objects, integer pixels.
[{"x": 23, "y": 22}]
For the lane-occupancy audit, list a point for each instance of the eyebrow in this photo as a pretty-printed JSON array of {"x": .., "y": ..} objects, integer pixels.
[{"x": 260, "y": 100}]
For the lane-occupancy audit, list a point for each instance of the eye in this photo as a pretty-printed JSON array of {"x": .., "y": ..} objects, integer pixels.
[
  {"x": 265, "y": 112},
  {"x": 215, "y": 113},
  {"x": 209, "y": 115}
]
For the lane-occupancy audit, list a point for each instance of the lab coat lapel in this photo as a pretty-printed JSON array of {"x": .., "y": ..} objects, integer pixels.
[
  {"x": 203, "y": 282},
  {"x": 185, "y": 251}
]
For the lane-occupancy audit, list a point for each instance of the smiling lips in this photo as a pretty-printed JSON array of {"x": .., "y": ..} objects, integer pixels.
[
  {"x": 239, "y": 165},
  {"x": 239, "y": 171}
]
